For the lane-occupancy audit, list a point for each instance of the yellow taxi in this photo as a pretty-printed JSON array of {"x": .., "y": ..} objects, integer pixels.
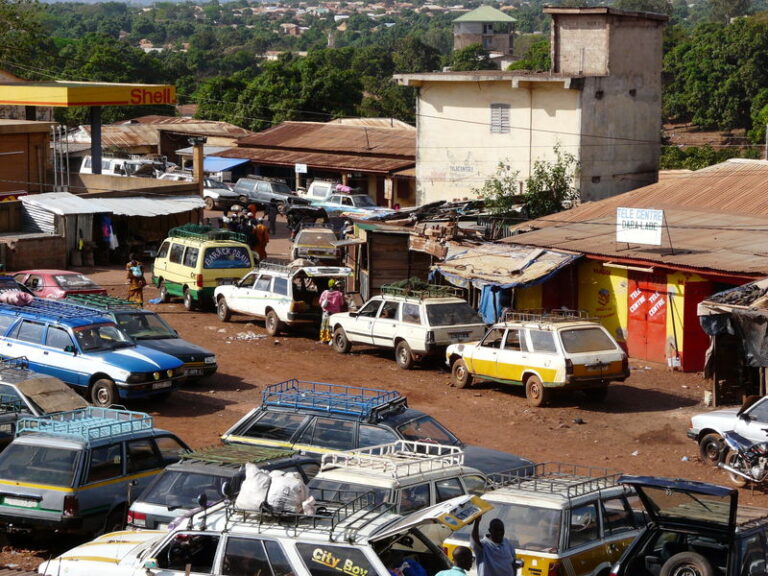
[{"x": 564, "y": 520}]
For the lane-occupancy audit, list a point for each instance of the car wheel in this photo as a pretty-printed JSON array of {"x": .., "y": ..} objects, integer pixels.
[
  {"x": 210, "y": 204},
  {"x": 687, "y": 564},
  {"x": 243, "y": 200},
  {"x": 403, "y": 355},
  {"x": 222, "y": 310},
  {"x": 189, "y": 302},
  {"x": 104, "y": 392},
  {"x": 165, "y": 297},
  {"x": 710, "y": 447},
  {"x": 535, "y": 392},
  {"x": 460, "y": 376},
  {"x": 272, "y": 323},
  {"x": 734, "y": 460},
  {"x": 340, "y": 341},
  {"x": 596, "y": 394}
]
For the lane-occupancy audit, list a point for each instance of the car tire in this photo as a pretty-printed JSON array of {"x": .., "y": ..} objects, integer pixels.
[
  {"x": 272, "y": 323},
  {"x": 733, "y": 460},
  {"x": 596, "y": 394},
  {"x": 222, "y": 310},
  {"x": 403, "y": 355},
  {"x": 535, "y": 392},
  {"x": 710, "y": 448},
  {"x": 104, "y": 393},
  {"x": 687, "y": 564},
  {"x": 165, "y": 297},
  {"x": 341, "y": 343},
  {"x": 209, "y": 204},
  {"x": 460, "y": 376},
  {"x": 189, "y": 302},
  {"x": 244, "y": 201}
]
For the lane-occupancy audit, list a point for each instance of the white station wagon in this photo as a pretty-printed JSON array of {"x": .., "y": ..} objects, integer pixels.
[{"x": 415, "y": 323}]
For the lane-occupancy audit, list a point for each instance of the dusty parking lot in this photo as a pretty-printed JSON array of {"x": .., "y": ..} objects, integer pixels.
[{"x": 640, "y": 428}]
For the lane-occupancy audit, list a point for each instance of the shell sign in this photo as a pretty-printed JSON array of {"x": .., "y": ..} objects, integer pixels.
[{"x": 85, "y": 94}]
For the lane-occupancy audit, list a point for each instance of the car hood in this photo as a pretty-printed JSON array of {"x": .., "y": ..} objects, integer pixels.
[
  {"x": 110, "y": 554},
  {"x": 492, "y": 461},
  {"x": 720, "y": 420},
  {"x": 138, "y": 359},
  {"x": 181, "y": 349}
]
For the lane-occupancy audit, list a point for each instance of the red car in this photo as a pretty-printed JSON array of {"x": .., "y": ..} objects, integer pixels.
[{"x": 57, "y": 283}]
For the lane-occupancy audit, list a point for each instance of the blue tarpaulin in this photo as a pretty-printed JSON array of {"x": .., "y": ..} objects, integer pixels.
[{"x": 218, "y": 164}]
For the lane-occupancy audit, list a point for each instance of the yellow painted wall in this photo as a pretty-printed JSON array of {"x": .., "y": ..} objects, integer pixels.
[
  {"x": 603, "y": 293},
  {"x": 528, "y": 298}
]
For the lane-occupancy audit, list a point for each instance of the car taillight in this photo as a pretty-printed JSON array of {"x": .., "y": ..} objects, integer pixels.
[
  {"x": 71, "y": 506},
  {"x": 568, "y": 366},
  {"x": 199, "y": 280},
  {"x": 554, "y": 569},
  {"x": 137, "y": 519}
]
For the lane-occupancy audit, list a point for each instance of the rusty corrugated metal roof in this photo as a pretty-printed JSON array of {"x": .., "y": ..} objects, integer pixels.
[
  {"x": 374, "y": 123},
  {"x": 124, "y": 135},
  {"x": 715, "y": 217},
  {"x": 191, "y": 125},
  {"x": 336, "y": 138},
  {"x": 319, "y": 160}
]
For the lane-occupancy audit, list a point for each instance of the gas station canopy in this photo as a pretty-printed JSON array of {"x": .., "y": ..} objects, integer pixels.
[{"x": 85, "y": 94}]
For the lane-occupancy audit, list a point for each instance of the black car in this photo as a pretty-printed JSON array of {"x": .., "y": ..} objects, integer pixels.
[
  {"x": 176, "y": 490},
  {"x": 694, "y": 529},
  {"x": 315, "y": 418},
  {"x": 149, "y": 329}
]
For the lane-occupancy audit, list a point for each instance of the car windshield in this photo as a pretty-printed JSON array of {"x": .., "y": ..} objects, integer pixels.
[
  {"x": 143, "y": 326},
  {"x": 578, "y": 340},
  {"x": 180, "y": 489},
  {"x": 363, "y": 202},
  {"x": 99, "y": 337},
  {"x": 334, "y": 491},
  {"x": 452, "y": 314},
  {"x": 527, "y": 527},
  {"x": 38, "y": 464},
  {"x": 222, "y": 257},
  {"x": 427, "y": 429},
  {"x": 215, "y": 184},
  {"x": 319, "y": 237},
  {"x": 75, "y": 282},
  {"x": 11, "y": 400}
]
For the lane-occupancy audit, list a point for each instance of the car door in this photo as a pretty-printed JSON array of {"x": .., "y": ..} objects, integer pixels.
[
  {"x": 486, "y": 353},
  {"x": 60, "y": 351},
  {"x": 101, "y": 486},
  {"x": 261, "y": 295},
  {"x": 753, "y": 422},
  {"x": 238, "y": 297},
  {"x": 187, "y": 553},
  {"x": 245, "y": 555},
  {"x": 361, "y": 324},
  {"x": 26, "y": 339},
  {"x": 512, "y": 358},
  {"x": 385, "y": 325}
]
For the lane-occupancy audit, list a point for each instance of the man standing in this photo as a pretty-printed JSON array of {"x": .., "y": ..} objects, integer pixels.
[
  {"x": 331, "y": 302},
  {"x": 462, "y": 562},
  {"x": 260, "y": 239},
  {"x": 494, "y": 554},
  {"x": 271, "y": 214}
]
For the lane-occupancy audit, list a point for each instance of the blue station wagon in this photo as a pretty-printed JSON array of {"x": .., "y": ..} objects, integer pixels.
[{"x": 86, "y": 350}]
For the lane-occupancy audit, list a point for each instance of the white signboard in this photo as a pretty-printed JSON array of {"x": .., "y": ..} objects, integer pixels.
[
  {"x": 639, "y": 225},
  {"x": 301, "y": 168}
]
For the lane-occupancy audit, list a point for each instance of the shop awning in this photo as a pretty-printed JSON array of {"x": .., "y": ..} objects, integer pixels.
[
  {"x": 64, "y": 203},
  {"x": 219, "y": 164}
]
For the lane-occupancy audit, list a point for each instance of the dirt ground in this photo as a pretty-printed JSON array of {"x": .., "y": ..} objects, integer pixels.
[{"x": 640, "y": 428}]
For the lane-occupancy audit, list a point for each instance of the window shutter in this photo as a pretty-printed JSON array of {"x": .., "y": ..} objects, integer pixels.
[{"x": 499, "y": 118}]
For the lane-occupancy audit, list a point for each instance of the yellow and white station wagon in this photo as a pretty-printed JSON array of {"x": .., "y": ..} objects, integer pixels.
[{"x": 542, "y": 352}]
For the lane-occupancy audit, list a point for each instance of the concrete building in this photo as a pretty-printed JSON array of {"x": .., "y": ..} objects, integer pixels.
[
  {"x": 601, "y": 102},
  {"x": 491, "y": 28}
]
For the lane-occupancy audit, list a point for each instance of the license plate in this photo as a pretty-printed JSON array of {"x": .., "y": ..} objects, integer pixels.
[
  {"x": 194, "y": 371},
  {"x": 458, "y": 335},
  {"x": 161, "y": 385},
  {"x": 21, "y": 502}
]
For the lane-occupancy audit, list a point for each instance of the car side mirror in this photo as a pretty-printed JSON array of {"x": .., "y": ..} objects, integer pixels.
[
  {"x": 226, "y": 490},
  {"x": 70, "y": 348},
  {"x": 150, "y": 564},
  {"x": 354, "y": 314},
  {"x": 202, "y": 500}
]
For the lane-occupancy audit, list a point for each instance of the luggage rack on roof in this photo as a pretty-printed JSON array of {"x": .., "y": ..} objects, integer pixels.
[
  {"x": 89, "y": 423},
  {"x": 365, "y": 403},
  {"x": 198, "y": 232},
  {"x": 556, "y": 315},
  {"x": 54, "y": 308},
  {"x": 103, "y": 302},
  {"x": 569, "y": 480},
  {"x": 236, "y": 454},
  {"x": 17, "y": 363},
  {"x": 398, "y": 459},
  {"x": 421, "y": 292},
  {"x": 355, "y": 515}
]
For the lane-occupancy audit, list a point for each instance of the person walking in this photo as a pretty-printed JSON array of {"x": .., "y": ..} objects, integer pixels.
[
  {"x": 135, "y": 274},
  {"x": 331, "y": 302},
  {"x": 462, "y": 562},
  {"x": 494, "y": 554},
  {"x": 270, "y": 212},
  {"x": 260, "y": 239}
]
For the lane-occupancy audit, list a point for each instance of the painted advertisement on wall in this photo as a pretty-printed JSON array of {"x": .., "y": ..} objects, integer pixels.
[{"x": 603, "y": 293}]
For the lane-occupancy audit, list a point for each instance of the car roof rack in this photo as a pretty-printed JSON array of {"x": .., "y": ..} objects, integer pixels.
[
  {"x": 55, "y": 308},
  {"x": 199, "y": 232},
  {"x": 548, "y": 316},
  {"x": 101, "y": 302},
  {"x": 567, "y": 480},
  {"x": 17, "y": 363},
  {"x": 91, "y": 423},
  {"x": 342, "y": 521},
  {"x": 369, "y": 404},
  {"x": 396, "y": 459},
  {"x": 236, "y": 454},
  {"x": 421, "y": 291}
]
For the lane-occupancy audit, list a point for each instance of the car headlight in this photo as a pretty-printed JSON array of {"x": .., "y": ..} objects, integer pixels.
[
  {"x": 169, "y": 373},
  {"x": 210, "y": 359},
  {"x": 156, "y": 375}
]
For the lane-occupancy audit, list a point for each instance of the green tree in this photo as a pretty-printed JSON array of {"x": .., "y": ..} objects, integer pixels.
[
  {"x": 536, "y": 58},
  {"x": 551, "y": 185},
  {"x": 658, "y": 6},
  {"x": 723, "y": 10},
  {"x": 473, "y": 57},
  {"x": 412, "y": 56},
  {"x": 501, "y": 192},
  {"x": 20, "y": 28}
]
